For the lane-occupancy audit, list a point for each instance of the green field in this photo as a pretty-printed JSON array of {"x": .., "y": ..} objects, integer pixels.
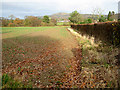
[
  {"x": 36, "y": 56},
  {"x": 63, "y": 23}
]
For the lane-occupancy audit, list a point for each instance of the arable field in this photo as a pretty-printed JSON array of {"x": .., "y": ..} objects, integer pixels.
[
  {"x": 38, "y": 57},
  {"x": 47, "y": 57},
  {"x": 63, "y": 23}
]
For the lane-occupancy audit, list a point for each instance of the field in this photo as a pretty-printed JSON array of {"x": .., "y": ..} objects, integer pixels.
[
  {"x": 63, "y": 23},
  {"x": 46, "y": 57},
  {"x": 37, "y": 56}
]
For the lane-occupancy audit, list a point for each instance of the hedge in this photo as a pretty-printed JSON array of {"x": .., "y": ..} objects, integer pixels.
[{"x": 106, "y": 32}]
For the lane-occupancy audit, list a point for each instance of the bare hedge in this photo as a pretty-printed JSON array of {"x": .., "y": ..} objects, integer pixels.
[{"x": 106, "y": 32}]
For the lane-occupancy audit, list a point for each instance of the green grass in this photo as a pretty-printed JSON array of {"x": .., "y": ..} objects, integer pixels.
[
  {"x": 63, "y": 23},
  {"x": 63, "y": 32},
  {"x": 100, "y": 56},
  {"x": 18, "y": 31},
  {"x": 9, "y": 82}
]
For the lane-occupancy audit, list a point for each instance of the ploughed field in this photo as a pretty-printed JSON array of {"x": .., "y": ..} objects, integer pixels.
[{"x": 40, "y": 56}]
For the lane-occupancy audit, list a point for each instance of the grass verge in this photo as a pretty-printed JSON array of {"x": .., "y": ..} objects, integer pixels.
[
  {"x": 9, "y": 82},
  {"x": 102, "y": 62}
]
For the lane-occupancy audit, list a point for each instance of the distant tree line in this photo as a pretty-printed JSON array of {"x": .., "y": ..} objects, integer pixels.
[
  {"x": 12, "y": 21},
  {"x": 77, "y": 18}
]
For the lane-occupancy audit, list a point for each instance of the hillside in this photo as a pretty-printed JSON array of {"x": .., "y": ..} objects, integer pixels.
[
  {"x": 63, "y": 15},
  {"x": 60, "y": 15},
  {"x": 67, "y": 15}
]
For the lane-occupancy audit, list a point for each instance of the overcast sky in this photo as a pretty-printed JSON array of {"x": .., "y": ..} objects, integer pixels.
[{"x": 21, "y": 8}]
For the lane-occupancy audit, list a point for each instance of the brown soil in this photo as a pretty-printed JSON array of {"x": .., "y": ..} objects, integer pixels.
[{"x": 49, "y": 58}]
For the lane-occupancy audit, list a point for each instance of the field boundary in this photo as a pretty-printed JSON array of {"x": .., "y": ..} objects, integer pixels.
[
  {"x": 76, "y": 34},
  {"x": 107, "y": 32},
  {"x": 98, "y": 60}
]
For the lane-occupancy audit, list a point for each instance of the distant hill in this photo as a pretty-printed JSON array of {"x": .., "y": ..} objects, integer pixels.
[
  {"x": 60, "y": 15},
  {"x": 63, "y": 15}
]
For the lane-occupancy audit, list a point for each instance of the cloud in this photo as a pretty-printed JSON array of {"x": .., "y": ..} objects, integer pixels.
[
  {"x": 46, "y": 7},
  {"x": 27, "y": 8}
]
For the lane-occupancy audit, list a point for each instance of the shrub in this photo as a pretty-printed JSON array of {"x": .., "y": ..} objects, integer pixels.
[
  {"x": 89, "y": 21},
  {"x": 102, "y": 19}
]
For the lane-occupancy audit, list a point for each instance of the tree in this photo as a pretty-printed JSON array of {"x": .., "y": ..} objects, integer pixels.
[
  {"x": 109, "y": 15},
  {"x": 54, "y": 21},
  {"x": 46, "y": 19},
  {"x": 11, "y": 18},
  {"x": 18, "y": 22},
  {"x": 96, "y": 13},
  {"x": 5, "y": 21},
  {"x": 113, "y": 13},
  {"x": 75, "y": 17},
  {"x": 32, "y": 21},
  {"x": 11, "y": 24}
]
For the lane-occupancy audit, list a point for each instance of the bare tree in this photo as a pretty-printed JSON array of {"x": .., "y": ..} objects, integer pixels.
[
  {"x": 11, "y": 17},
  {"x": 96, "y": 13}
]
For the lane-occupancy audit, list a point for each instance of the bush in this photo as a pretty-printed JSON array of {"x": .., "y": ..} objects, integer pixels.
[
  {"x": 102, "y": 19},
  {"x": 87, "y": 21},
  {"x": 110, "y": 19}
]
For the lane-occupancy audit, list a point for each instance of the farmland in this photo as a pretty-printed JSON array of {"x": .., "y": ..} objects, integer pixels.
[
  {"x": 60, "y": 44},
  {"x": 63, "y": 23},
  {"x": 46, "y": 57},
  {"x": 37, "y": 56}
]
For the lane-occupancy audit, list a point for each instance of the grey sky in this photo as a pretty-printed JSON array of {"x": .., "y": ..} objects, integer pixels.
[{"x": 47, "y": 7}]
